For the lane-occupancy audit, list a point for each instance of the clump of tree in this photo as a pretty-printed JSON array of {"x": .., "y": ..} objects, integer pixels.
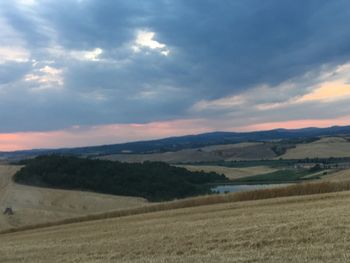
[
  {"x": 316, "y": 168},
  {"x": 155, "y": 181},
  {"x": 281, "y": 147}
]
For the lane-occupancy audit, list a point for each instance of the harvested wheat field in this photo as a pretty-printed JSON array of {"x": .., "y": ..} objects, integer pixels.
[
  {"x": 323, "y": 148},
  {"x": 32, "y": 205},
  {"x": 312, "y": 228},
  {"x": 230, "y": 172}
]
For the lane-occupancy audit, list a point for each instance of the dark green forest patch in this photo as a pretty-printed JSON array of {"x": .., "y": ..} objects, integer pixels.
[{"x": 155, "y": 181}]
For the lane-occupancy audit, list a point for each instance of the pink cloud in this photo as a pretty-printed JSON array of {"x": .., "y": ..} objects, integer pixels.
[{"x": 97, "y": 135}]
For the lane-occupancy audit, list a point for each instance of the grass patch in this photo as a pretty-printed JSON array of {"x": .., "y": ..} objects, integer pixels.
[{"x": 280, "y": 176}]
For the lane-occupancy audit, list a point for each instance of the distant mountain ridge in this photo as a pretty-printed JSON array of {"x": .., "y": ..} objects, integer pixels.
[{"x": 185, "y": 142}]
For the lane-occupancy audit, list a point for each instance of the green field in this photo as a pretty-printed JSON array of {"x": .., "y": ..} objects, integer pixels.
[{"x": 280, "y": 176}]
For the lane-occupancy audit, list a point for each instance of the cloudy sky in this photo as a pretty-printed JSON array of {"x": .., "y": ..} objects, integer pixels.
[{"x": 86, "y": 72}]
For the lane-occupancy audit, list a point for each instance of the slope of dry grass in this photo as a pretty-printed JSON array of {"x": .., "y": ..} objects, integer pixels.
[
  {"x": 294, "y": 229},
  {"x": 323, "y": 148},
  {"x": 338, "y": 176},
  {"x": 230, "y": 172}
]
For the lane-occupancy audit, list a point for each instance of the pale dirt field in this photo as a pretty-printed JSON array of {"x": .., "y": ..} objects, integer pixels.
[
  {"x": 323, "y": 148},
  {"x": 34, "y": 205},
  {"x": 229, "y": 172},
  {"x": 294, "y": 229}
]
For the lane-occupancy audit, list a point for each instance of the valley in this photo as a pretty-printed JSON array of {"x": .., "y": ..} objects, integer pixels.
[{"x": 283, "y": 194}]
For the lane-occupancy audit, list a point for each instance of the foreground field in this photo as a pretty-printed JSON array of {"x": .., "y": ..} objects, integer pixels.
[
  {"x": 294, "y": 229},
  {"x": 34, "y": 205}
]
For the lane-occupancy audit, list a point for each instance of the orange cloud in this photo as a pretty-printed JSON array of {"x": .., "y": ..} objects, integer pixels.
[
  {"x": 328, "y": 91},
  {"x": 297, "y": 124}
]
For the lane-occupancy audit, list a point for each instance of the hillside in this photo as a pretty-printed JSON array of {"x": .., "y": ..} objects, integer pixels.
[
  {"x": 34, "y": 205},
  {"x": 323, "y": 148},
  {"x": 294, "y": 229},
  {"x": 214, "y": 153}
]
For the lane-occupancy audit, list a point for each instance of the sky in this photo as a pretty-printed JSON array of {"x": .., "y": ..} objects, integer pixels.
[{"x": 91, "y": 72}]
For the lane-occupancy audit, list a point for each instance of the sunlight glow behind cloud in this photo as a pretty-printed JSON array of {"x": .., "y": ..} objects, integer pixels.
[
  {"x": 329, "y": 87},
  {"x": 328, "y": 91},
  {"x": 47, "y": 77},
  {"x": 92, "y": 55},
  {"x": 13, "y": 54},
  {"x": 145, "y": 39}
]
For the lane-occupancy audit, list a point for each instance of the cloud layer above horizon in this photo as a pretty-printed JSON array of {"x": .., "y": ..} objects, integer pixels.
[{"x": 74, "y": 65}]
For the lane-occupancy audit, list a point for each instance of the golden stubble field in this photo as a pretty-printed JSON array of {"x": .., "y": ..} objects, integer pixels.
[
  {"x": 33, "y": 205},
  {"x": 312, "y": 228}
]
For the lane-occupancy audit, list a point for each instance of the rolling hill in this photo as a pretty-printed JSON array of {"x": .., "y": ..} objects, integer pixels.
[
  {"x": 185, "y": 142},
  {"x": 323, "y": 148},
  {"x": 32, "y": 205}
]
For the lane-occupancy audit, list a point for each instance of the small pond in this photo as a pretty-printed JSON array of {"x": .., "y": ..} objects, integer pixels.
[{"x": 241, "y": 188}]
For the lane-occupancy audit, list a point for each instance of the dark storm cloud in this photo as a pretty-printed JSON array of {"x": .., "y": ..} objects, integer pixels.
[
  {"x": 238, "y": 44},
  {"x": 217, "y": 49}
]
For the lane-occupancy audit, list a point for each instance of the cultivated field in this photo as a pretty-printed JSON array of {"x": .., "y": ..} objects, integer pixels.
[
  {"x": 323, "y": 148},
  {"x": 182, "y": 156},
  {"x": 230, "y": 172},
  {"x": 34, "y": 205},
  {"x": 228, "y": 152},
  {"x": 294, "y": 229}
]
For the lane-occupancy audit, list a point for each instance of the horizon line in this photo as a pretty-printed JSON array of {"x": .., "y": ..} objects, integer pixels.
[{"x": 168, "y": 137}]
